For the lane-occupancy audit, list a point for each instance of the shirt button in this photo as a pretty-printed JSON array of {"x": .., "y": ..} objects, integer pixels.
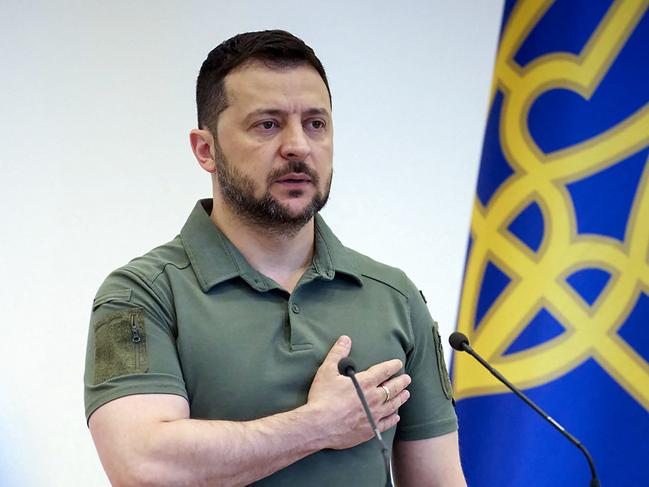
[
  {"x": 295, "y": 308},
  {"x": 330, "y": 273}
]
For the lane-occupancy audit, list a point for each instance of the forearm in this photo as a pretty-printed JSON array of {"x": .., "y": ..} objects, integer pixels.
[{"x": 202, "y": 452}]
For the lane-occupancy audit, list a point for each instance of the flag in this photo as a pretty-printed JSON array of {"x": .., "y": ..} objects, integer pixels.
[{"x": 556, "y": 283}]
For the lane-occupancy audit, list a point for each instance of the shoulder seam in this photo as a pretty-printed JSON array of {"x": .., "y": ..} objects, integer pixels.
[
  {"x": 382, "y": 281},
  {"x": 150, "y": 282},
  {"x": 164, "y": 267},
  {"x": 377, "y": 271}
]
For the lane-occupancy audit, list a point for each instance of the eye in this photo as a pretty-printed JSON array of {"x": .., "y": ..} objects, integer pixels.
[
  {"x": 316, "y": 124},
  {"x": 267, "y": 124}
]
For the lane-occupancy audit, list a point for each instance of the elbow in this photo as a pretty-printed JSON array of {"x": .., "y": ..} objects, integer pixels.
[
  {"x": 142, "y": 473},
  {"x": 156, "y": 474}
]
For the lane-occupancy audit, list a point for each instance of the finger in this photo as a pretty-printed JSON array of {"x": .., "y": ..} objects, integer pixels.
[
  {"x": 388, "y": 422},
  {"x": 393, "y": 405},
  {"x": 380, "y": 373},
  {"x": 340, "y": 349},
  {"x": 394, "y": 386}
]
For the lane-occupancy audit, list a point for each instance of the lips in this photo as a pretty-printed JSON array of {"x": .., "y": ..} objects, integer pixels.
[{"x": 294, "y": 178}]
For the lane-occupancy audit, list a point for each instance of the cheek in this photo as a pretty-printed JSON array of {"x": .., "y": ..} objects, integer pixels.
[
  {"x": 326, "y": 168},
  {"x": 324, "y": 154},
  {"x": 251, "y": 155}
]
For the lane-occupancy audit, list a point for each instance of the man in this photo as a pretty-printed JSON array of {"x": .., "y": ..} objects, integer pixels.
[{"x": 212, "y": 360}]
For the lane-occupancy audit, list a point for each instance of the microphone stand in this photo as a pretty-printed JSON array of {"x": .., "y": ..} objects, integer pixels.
[
  {"x": 377, "y": 433},
  {"x": 461, "y": 343},
  {"x": 347, "y": 367}
]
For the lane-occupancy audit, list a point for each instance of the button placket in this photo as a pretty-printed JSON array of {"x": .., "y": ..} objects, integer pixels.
[{"x": 297, "y": 323}]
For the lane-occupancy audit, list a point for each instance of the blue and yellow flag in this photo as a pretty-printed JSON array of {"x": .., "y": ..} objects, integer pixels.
[{"x": 556, "y": 285}]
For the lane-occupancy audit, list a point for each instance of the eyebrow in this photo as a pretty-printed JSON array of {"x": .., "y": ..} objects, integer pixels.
[{"x": 277, "y": 113}]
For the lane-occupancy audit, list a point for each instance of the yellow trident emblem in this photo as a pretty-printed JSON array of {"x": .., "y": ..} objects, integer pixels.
[{"x": 538, "y": 279}]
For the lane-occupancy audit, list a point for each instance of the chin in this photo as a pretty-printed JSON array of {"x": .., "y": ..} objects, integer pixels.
[
  {"x": 296, "y": 210},
  {"x": 296, "y": 202}
]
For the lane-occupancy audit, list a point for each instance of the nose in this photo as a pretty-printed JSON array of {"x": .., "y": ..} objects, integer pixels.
[{"x": 295, "y": 144}]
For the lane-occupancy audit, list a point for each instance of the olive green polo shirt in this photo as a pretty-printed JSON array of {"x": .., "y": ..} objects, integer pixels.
[{"x": 193, "y": 318}]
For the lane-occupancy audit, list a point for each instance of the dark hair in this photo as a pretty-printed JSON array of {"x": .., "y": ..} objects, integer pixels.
[{"x": 275, "y": 48}]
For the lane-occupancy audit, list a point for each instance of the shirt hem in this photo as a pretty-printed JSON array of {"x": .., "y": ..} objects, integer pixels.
[
  {"x": 429, "y": 430},
  {"x": 131, "y": 391}
]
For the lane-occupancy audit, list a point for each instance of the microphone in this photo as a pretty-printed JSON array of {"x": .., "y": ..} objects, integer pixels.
[
  {"x": 460, "y": 342},
  {"x": 347, "y": 367}
]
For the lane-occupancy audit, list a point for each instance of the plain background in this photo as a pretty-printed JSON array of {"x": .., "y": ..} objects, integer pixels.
[{"x": 96, "y": 102}]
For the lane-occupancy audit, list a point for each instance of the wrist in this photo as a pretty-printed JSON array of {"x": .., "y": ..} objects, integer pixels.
[{"x": 312, "y": 420}]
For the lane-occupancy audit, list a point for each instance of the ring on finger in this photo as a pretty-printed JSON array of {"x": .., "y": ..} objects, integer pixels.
[{"x": 387, "y": 393}]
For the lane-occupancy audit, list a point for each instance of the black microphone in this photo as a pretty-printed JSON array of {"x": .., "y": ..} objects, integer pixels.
[
  {"x": 460, "y": 342},
  {"x": 347, "y": 367}
]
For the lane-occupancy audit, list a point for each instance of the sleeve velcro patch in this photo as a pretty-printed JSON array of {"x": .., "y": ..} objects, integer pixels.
[
  {"x": 120, "y": 345},
  {"x": 441, "y": 366}
]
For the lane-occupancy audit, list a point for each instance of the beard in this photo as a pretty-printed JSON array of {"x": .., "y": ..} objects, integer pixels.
[{"x": 238, "y": 191}]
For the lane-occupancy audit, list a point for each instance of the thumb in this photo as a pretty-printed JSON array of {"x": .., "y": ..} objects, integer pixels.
[{"x": 340, "y": 349}]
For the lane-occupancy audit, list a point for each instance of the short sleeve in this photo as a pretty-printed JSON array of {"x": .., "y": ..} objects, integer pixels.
[
  {"x": 131, "y": 345},
  {"x": 429, "y": 412}
]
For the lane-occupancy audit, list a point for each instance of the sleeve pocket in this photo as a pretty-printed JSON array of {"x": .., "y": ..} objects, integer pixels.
[
  {"x": 441, "y": 364},
  {"x": 120, "y": 345}
]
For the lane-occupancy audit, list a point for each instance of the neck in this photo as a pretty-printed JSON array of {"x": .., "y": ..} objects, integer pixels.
[{"x": 282, "y": 257}]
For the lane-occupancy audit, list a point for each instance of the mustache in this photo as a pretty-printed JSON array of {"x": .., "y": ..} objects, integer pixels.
[{"x": 294, "y": 167}]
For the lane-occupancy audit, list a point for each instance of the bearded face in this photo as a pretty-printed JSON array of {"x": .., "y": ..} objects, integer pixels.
[{"x": 239, "y": 194}]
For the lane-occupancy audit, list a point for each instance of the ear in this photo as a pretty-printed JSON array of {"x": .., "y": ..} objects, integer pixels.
[{"x": 202, "y": 143}]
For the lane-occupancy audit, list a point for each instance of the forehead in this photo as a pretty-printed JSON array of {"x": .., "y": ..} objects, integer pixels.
[{"x": 256, "y": 85}]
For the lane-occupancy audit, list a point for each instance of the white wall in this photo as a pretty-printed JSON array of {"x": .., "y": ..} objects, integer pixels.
[{"x": 96, "y": 102}]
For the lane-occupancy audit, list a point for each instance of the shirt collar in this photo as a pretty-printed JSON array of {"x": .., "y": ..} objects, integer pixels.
[
  {"x": 215, "y": 259},
  {"x": 331, "y": 255}
]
